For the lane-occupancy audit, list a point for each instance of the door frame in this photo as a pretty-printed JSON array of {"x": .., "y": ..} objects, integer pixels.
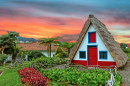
[{"x": 87, "y": 54}]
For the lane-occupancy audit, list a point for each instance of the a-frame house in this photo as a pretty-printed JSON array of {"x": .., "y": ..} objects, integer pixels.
[{"x": 96, "y": 47}]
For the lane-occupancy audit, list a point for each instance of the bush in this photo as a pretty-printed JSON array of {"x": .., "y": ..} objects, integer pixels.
[
  {"x": 60, "y": 53},
  {"x": 34, "y": 54},
  {"x": 3, "y": 57},
  {"x": 50, "y": 60},
  {"x": 79, "y": 78},
  {"x": 33, "y": 77},
  {"x": 127, "y": 51},
  {"x": 8, "y": 62}
]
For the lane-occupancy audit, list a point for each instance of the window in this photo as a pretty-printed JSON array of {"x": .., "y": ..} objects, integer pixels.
[
  {"x": 92, "y": 37},
  {"x": 82, "y": 54},
  {"x": 103, "y": 54}
]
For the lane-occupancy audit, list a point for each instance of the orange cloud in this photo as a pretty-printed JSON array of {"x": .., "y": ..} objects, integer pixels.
[
  {"x": 44, "y": 27},
  {"x": 39, "y": 29}
]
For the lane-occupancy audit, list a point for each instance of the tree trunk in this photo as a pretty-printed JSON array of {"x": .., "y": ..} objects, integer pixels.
[
  {"x": 3, "y": 62},
  {"x": 13, "y": 57},
  {"x": 68, "y": 51},
  {"x": 50, "y": 50},
  {"x": 2, "y": 50}
]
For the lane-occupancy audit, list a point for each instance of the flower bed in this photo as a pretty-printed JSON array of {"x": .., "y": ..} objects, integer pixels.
[{"x": 32, "y": 77}]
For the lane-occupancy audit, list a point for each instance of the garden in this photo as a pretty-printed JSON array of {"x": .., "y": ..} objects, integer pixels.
[{"x": 40, "y": 70}]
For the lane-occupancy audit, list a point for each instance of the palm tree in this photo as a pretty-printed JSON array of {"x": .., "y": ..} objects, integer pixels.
[
  {"x": 47, "y": 42},
  {"x": 67, "y": 45}
]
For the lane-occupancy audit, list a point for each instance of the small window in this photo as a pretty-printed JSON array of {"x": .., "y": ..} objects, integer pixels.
[
  {"x": 103, "y": 54},
  {"x": 92, "y": 37},
  {"x": 82, "y": 54}
]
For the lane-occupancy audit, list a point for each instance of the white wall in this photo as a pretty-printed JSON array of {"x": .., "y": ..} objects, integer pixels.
[
  {"x": 99, "y": 43},
  {"x": 26, "y": 57},
  {"x": 45, "y": 53},
  {"x": 17, "y": 58},
  {"x": 9, "y": 57}
]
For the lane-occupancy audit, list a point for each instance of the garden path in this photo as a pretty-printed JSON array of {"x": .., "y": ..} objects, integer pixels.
[{"x": 125, "y": 73}]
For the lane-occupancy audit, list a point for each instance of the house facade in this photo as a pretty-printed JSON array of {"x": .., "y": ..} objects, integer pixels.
[
  {"x": 96, "y": 47},
  {"x": 92, "y": 51},
  {"x": 34, "y": 46}
]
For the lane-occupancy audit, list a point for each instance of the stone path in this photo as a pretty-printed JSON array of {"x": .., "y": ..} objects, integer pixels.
[{"x": 125, "y": 73}]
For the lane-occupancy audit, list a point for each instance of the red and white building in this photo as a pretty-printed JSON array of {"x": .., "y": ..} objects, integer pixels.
[{"x": 96, "y": 47}]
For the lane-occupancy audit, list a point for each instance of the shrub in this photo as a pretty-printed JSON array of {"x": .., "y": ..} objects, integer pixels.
[
  {"x": 34, "y": 54},
  {"x": 48, "y": 60},
  {"x": 127, "y": 51},
  {"x": 79, "y": 78},
  {"x": 60, "y": 53},
  {"x": 33, "y": 77},
  {"x": 3, "y": 57},
  {"x": 8, "y": 62}
]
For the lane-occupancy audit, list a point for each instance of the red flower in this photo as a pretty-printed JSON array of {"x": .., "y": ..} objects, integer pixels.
[
  {"x": 33, "y": 77},
  {"x": 23, "y": 79}
]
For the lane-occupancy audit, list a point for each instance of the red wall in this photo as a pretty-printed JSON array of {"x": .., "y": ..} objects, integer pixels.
[
  {"x": 80, "y": 62},
  {"x": 106, "y": 63},
  {"x": 100, "y": 63}
]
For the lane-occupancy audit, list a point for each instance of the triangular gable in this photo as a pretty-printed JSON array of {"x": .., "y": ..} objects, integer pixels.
[{"x": 118, "y": 55}]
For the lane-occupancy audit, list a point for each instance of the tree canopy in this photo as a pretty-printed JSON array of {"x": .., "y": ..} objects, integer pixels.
[
  {"x": 8, "y": 45},
  {"x": 123, "y": 45},
  {"x": 47, "y": 42},
  {"x": 7, "y": 41},
  {"x": 67, "y": 45}
]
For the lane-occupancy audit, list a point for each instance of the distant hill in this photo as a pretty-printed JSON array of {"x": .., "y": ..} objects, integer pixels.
[{"x": 26, "y": 39}]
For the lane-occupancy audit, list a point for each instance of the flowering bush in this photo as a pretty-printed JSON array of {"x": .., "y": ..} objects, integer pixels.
[
  {"x": 23, "y": 80},
  {"x": 33, "y": 77}
]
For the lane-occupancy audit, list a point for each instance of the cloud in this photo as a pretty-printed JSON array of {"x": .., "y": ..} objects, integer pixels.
[
  {"x": 122, "y": 38},
  {"x": 70, "y": 38},
  {"x": 63, "y": 17}
]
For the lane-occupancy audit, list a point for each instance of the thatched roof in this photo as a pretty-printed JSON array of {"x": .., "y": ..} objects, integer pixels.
[{"x": 116, "y": 52}]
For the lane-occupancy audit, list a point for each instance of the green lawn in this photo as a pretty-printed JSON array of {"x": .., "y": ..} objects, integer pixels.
[{"x": 10, "y": 77}]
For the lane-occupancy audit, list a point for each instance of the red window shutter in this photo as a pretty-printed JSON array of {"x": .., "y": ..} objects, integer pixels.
[{"x": 92, "y": 37}]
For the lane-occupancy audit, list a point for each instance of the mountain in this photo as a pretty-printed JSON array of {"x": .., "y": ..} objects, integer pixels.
[{"x": 26, "y": 39}]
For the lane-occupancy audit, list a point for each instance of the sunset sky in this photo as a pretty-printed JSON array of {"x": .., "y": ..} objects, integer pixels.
[{"x": 65, "y": 18}]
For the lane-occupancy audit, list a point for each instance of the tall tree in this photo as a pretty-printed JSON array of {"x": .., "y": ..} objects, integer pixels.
[
  {"x": 48, "y": 42},
  {"x": 67, "y": 45},
  {"x": 7, "y": 42},
  {"x": 21, "y": 54},
  {"x": 15, "y": 50}
]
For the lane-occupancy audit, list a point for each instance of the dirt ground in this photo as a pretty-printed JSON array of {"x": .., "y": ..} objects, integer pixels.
[{"x": 1, "y": 73}]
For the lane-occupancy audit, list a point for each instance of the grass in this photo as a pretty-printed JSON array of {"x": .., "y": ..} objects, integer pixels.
[{"x": 10, "y": 77}]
